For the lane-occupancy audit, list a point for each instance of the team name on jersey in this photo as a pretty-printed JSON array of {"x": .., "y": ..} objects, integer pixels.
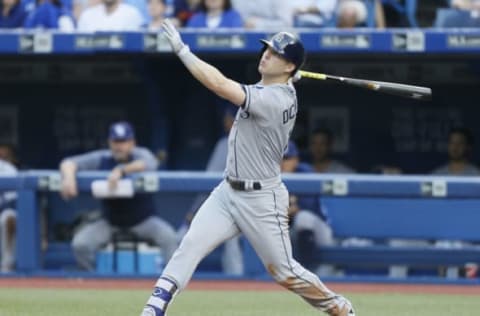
[{"x": 290, "y": 113}]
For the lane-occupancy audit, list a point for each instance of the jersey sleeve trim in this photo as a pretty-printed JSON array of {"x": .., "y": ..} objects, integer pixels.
[{"x": 246, "y": 104}]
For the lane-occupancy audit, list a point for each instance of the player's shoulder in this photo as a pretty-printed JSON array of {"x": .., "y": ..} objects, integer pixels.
[
  {"x": 138, "y": 150},
  {"x": 282, "y": 87},
  {"x": 274, "y": 90},
  {"x": 102, "y": 153},
  {"x": 6, "y": 167}
]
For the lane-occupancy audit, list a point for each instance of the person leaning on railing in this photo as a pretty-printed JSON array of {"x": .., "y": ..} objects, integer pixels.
[{"x": 136, "y": 214}]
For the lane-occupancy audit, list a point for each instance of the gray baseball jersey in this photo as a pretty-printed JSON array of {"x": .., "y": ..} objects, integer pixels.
[
  {"x": 261, "y": 131},
  {"x": 257, "y": 142}
]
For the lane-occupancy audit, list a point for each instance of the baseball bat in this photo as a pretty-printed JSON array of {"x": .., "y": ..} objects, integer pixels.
[{"x": 403, "y": 90}]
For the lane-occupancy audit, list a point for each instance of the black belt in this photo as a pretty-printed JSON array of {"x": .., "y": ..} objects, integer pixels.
[{"x": 242, "y": 185}]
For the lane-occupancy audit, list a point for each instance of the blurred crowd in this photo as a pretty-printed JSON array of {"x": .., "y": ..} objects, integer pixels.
[{"x": 128, "y": 15}]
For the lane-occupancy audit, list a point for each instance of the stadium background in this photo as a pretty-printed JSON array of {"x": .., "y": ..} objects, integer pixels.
[{"x": 56, "y": 104}]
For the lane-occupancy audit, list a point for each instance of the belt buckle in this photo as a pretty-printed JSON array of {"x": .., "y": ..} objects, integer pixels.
[{"x": 236, "y": 185}]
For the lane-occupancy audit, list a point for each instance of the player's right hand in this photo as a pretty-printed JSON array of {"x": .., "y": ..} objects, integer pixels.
[
  {"x": 69, "y": 189},
  {"x": 173, "y": 36}
]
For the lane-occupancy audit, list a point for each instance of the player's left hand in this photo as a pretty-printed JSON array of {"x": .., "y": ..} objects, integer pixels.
[
  {"x": 114, "y": 177},
  {"x": 297, "y": 76},
  {"x": 173, "y": 36}
]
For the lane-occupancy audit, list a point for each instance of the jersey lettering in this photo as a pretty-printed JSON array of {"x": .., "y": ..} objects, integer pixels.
[{"x": 289, "y": 114}]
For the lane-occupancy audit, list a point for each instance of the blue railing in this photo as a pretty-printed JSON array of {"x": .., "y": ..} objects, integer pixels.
[
  {"x": 234, "y": 41},
  {"x": 434, "y": 201}
]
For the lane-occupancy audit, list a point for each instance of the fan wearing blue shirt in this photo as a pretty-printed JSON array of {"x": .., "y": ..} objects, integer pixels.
[
  {"x": 50, "y": 14},
  {"x": 216, "y": 14},
  {"x": 12, "y": 14}
]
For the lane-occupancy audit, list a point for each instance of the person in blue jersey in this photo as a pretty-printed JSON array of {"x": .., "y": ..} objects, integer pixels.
[
  {"x": 184, "y": 10},
  {"x": 12, "y": 14},
  {"x": 216, "y": 14},
  {"x": 136, "y": 214},
  {"x": 49, "y": 14}
]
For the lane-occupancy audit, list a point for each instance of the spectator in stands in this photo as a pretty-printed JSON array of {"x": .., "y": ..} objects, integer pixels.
[
  {"x": 142, "y": 7},
  {"x": 265, "y": 14},
  {"x": 78, "y": 6},
  {"x": 215, "y": 14},
  {"x": 50, "y": 14},
  {"x": 156, "y": 11},
  {"x": 314, "y": 13},
  {"x": 321, "y": 146},
  {"x": 459, "y": 149},
  {"x": 290, "y": 158},
  {"x": 232, "y": 256},
  {"x": 110, "y": 15},
  {"x": 12, "y": 14},
  {"x": 308, "y": 230},
  {"x": 463, "y": 13},
  {"x": 7, "y": 212},
  {"x": 352, "y": 13},
  {"x": 184, "y": 10},
  {"x": 8, "y": 152},
  {"x": 470, "y": 5},
  {"x": 135, "y": 214}
]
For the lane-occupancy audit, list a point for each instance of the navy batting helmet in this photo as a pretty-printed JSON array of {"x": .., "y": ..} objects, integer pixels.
[{"x": 288, "y": 46}]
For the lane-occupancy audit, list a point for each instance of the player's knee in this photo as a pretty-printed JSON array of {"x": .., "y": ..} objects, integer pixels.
[{"x": 81, "y": 245}]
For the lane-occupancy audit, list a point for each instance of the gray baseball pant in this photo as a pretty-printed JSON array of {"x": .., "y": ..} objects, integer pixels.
[{"x": 262, "y": 217}]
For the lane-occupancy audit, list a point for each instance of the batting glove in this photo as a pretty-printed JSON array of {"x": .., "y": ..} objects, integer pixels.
[
  {"x": 297, "y": 76},
  {"x": 173, "y": 36}
]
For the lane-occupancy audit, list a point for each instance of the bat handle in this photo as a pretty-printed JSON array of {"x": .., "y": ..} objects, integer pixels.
[{"x": 313, "y": 75}]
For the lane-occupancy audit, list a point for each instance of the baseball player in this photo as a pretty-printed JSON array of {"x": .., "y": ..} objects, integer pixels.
[
  {"x": 136, "y": 214},
  {"x": 252, "y": 198}
]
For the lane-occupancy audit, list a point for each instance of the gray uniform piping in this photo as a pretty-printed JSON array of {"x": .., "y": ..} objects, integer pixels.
[
  {"x": 235, "y": 152},
  {"x": 290, "y": 267}
]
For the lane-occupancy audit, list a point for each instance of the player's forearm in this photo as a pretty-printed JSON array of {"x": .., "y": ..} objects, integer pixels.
[
  {"x": 68, "y": 169},
  {"x": 134, "y": 166},
  {"x": 208, "y": 75}
]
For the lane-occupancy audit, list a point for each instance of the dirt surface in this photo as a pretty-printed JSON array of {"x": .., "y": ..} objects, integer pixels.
[{"x": 65, "y": 283}]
